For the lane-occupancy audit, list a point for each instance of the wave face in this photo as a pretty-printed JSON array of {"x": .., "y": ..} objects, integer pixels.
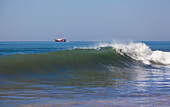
[{"x": 62, "y": 61}]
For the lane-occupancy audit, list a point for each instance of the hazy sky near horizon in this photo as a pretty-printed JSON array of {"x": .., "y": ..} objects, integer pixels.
[{"x": 85, "y": 19}]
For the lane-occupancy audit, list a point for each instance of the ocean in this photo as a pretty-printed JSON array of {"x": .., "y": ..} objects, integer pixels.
[{"x": 84, "y": 73}]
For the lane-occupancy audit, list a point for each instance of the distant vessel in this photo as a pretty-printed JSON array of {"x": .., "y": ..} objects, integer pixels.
[{"x": 60, "y": 40}]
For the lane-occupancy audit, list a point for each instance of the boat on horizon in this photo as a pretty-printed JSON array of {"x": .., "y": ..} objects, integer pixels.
[{"x": 60, "y": 40}]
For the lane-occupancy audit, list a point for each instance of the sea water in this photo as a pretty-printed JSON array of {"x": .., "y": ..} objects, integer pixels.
[{"x": 84, "y": 73}]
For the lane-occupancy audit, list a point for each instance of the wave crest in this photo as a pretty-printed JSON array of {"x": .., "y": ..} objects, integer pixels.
[{"x": 141, "y": 52}]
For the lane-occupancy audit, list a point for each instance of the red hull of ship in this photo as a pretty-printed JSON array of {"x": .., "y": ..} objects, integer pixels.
[{"x": 60, "y": 40}]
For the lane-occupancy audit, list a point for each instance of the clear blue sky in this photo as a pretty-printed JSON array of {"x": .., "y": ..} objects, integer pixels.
[{"x": 85, "y": 19}]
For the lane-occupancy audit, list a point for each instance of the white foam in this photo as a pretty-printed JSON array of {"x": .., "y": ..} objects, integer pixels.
[
  {"x": 21, "y": 53},
  {"x": 140, "y": 52}
]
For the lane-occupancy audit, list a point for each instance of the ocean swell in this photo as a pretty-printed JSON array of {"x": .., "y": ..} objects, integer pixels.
[{"x": 104, "y": 57}]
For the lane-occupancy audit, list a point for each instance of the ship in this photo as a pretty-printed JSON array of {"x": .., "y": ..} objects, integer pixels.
[{"x": 60, "y": 40}]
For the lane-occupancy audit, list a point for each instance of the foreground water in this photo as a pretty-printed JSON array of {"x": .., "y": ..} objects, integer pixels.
[{"x": 84, "y": 74}]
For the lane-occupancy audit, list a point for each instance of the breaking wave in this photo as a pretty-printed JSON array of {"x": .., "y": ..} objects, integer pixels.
[
  {"x": 104, "y": 57},
  {"x": 141, "y": 52}
]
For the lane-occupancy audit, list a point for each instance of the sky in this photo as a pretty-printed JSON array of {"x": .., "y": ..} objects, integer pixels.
[{"x": 84, "y": 20}]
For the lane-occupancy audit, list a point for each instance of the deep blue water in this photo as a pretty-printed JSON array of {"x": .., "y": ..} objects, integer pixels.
[
  {"x": 36, "y": 47},
  {"x": 84, "y": 73}
]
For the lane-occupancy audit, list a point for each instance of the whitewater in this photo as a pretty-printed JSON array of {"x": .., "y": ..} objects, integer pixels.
[{"x": 140, "y": 52}]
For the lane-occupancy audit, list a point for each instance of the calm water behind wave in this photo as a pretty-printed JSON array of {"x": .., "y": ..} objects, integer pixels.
[{"x": 36, "y": 47}]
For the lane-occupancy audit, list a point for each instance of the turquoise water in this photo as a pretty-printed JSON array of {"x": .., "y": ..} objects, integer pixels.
[{"x": 84, "y": 73}]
